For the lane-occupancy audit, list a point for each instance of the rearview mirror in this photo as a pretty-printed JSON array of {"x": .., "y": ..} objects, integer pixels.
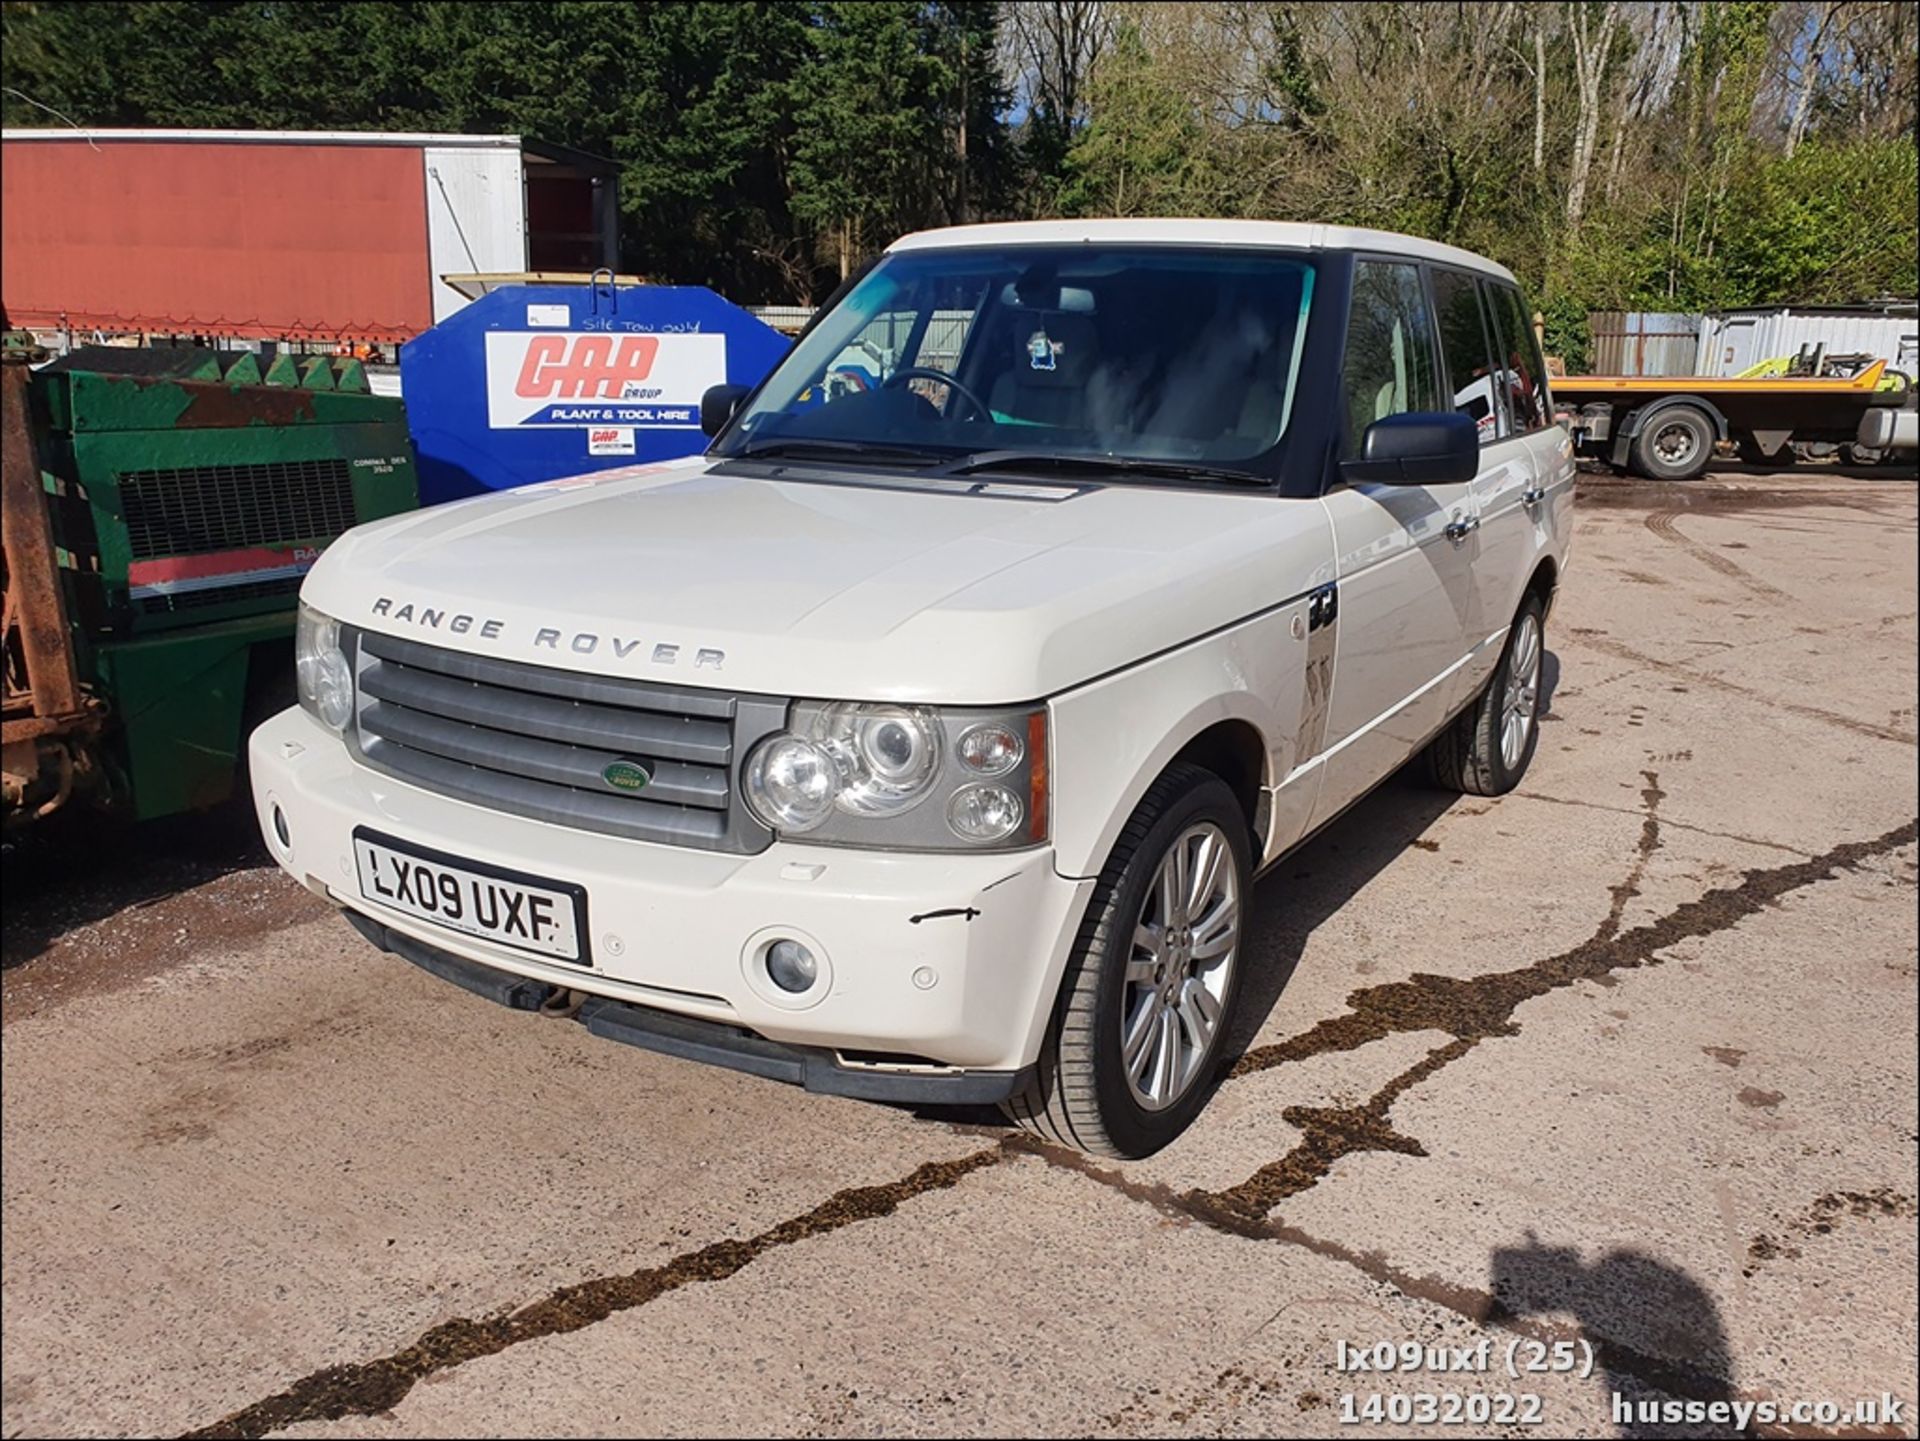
[
  {"x": 1421, "y": 448},
  {"x": 718, "y": 405}
]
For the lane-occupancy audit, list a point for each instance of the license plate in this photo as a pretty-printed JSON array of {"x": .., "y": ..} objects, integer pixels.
[{"x": 508, "y": 908}]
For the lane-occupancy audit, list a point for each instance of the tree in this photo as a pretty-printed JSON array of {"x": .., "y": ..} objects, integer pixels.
[
  {"x": 1052, "y": 47},
  {"x": 1612, "y": 152},
  {"x": 1144, "y": 151},
  {"x": 1591, "y": 41},
  {"x": 978, "y": 159},
  {"x": 862, "y": 125}
]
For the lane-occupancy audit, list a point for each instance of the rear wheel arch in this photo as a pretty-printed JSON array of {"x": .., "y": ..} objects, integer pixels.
[
  {"x": 1544, "y": 582},
  {"x": 1471, "y": 753}
]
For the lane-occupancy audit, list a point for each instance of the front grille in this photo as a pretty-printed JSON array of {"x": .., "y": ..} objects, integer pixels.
[
  {"x": 536, "y": 742},
  {"x": 168, "y": 602},
  {"x": 200, "y": 508}
]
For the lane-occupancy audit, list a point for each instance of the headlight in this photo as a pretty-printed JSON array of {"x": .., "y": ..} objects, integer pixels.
[
  {"x": 325, "y": 679},
  {"x": 887, "y": 756},
  {"x": 903, "y": 777},
  {"x": 792, "y": 783}
]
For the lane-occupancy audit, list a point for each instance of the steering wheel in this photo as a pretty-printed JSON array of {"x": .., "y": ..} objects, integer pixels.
[{"x": 927, "y": 372}]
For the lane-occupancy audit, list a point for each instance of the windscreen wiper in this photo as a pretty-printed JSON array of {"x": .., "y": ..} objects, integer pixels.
[
  {"x": 802, "y": 448},
  {"x": 1092, "y": 462}
]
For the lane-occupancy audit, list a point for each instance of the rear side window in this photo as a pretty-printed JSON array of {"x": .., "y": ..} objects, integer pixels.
[
  {"x": 1463, "y": 341},
  {"x": 1520, "y": 369},
  {"x": 1389, "y": 366}
]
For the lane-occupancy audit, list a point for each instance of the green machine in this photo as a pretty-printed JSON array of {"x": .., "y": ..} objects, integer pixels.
[{"x": 162, "y": 507}]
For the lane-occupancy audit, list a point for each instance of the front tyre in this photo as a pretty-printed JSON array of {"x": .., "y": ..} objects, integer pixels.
[
  {"x": 1149, "y": 991},
  {"x": 1485, "y": 750}
]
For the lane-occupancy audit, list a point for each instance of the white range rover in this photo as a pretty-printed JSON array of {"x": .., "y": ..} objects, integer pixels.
[{"x": 921, "y": 741}]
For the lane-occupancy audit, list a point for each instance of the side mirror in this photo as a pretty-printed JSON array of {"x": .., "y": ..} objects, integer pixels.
[
  {"x": 1422, "y": 448},
  {"x": 718, "y": 405}
]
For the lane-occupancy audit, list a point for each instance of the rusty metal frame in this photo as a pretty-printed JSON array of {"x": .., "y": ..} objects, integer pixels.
[{"x": 35, "y": 601}]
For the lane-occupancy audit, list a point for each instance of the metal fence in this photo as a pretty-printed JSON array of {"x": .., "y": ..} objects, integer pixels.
[
  {"x": 1643, "y": 342},
  {"x": 790, "y": 319},
  {"x": 885, "y": 337}
]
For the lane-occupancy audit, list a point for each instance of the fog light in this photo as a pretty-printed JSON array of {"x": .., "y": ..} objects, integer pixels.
[
  {"x": 280, "y": 828},
  {"x": 792, "y": 966}
]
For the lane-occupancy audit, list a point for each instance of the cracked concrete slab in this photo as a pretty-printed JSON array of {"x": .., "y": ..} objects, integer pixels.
[{"x": 1625, "y": 1059}]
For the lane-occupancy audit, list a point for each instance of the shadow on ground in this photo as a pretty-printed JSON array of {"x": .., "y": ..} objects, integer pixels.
[
  {"x": 77, "y": 867},
  {"x": 1624, "y": 1293}
]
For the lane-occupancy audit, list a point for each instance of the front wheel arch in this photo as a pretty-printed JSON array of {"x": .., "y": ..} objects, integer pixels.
[
  {"x": 1079, "y": 1094},
  {"x": 1224, "y": 733},
  {"x": 1236, "y": 752}
]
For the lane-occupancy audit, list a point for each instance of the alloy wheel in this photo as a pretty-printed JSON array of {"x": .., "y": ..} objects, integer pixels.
[
  {"x": 1522, "y": 693},
  {"x": 1185, "y": 942}
]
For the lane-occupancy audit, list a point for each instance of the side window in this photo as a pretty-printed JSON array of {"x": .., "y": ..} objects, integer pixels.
[
  {"x": 1542, "y": 384},
  {"x": 882, "y": 347},
  {"x": 1520, "y": 368},
  {"x": 1389, "y": 365},
  {"x": 945, "y": 338},
  {"x": 1463, "y": 341}
]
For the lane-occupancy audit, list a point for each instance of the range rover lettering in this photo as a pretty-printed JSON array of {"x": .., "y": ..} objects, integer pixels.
[{"x": 923, "y": 739}]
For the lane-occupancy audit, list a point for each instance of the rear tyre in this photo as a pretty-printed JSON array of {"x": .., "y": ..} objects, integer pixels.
[
  {"x": 1487, "y": 748},
  {"x": 1137, "y": 1033},
  {"x": 1677, "y": 444}
]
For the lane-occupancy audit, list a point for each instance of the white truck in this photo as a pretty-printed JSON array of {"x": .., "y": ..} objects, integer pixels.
[{"x": 923, "y": 740}]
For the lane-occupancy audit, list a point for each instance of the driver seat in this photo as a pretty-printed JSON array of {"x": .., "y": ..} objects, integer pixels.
[{"x": 1047, "y": 388}]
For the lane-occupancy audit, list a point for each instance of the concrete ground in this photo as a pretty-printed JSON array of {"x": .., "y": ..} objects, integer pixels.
[{"x": 1625, "y": 1059}]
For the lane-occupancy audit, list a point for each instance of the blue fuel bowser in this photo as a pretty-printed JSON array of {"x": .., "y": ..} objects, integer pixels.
[{"x": 535, "y": 382}]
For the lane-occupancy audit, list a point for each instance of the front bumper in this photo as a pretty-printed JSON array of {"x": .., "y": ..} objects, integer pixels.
[
  {"x": 937, "y": 963},
  {"x": 715, "y": 1044}
]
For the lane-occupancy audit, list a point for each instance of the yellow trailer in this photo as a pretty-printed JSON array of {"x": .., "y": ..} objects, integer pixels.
[{"x": 1665, "y": 427}]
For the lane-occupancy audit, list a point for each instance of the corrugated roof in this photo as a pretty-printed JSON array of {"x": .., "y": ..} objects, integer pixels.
[{"x": 222, "y": 239}]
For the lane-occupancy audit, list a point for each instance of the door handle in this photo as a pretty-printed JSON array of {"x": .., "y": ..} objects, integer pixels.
[
  {"x": 1461, "y": 529},
  {"x": 1533, "y": 495}
]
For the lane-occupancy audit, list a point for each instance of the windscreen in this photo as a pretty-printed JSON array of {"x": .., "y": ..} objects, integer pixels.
[{"x": 1169, "y": 353}]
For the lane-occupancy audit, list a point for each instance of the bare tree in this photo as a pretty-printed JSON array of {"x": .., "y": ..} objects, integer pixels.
[
  {"x": 1539, "y": 89},
  {"x": 1591, "y": 43},
  {"x": 1648, "y": 80},
  {"x": 1867, "y": 75},
  {"x": 1808, "y": 79},
  {"x": 1052, "y": 46}
]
